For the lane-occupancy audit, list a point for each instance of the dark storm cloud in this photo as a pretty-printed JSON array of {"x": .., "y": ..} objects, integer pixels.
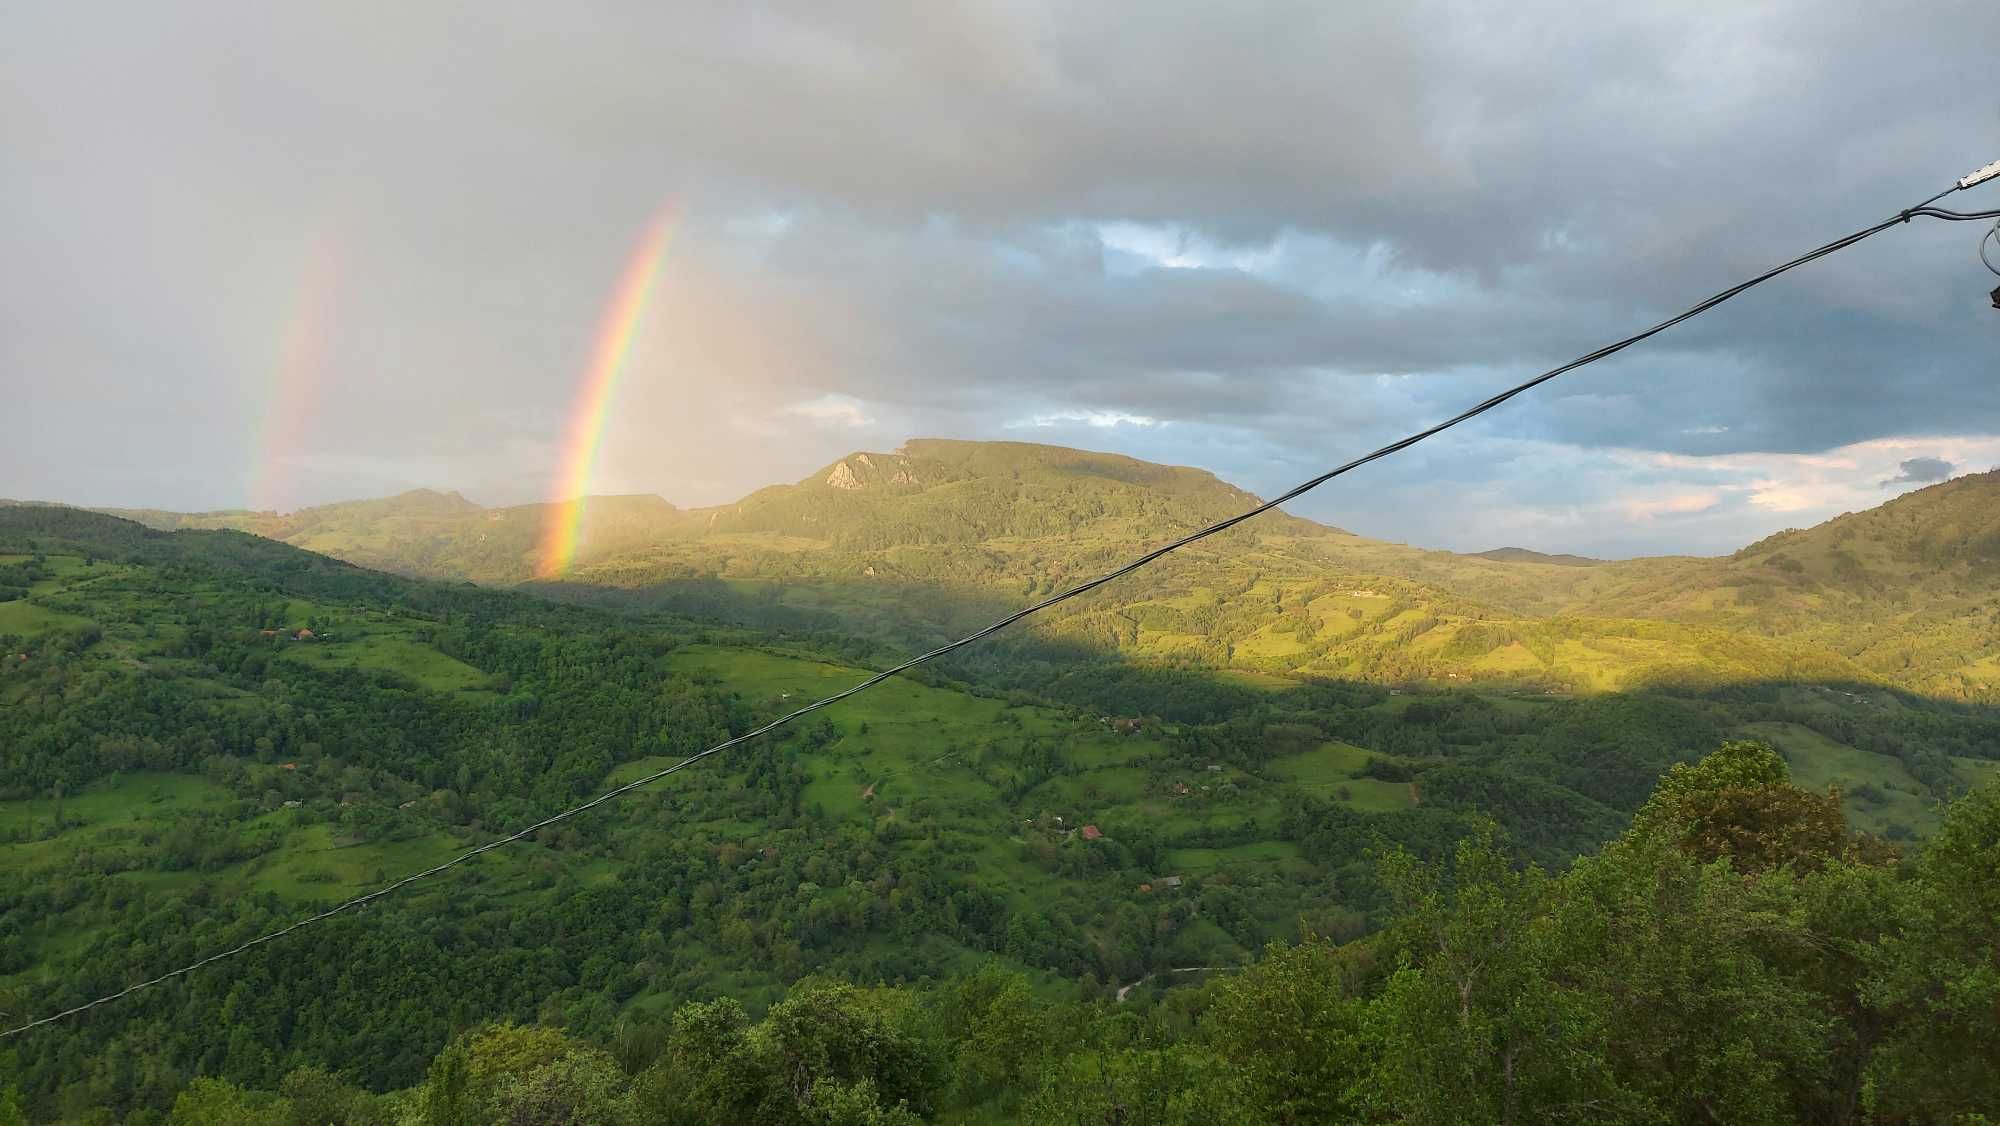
[
  {"x": 1257, "y": 238},
  {"x": 1921, "y": 471}
]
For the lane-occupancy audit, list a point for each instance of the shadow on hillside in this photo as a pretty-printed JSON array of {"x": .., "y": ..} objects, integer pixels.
[
  {"x": 1895, "y": 752},
  {"x": 901, "y": 616}
]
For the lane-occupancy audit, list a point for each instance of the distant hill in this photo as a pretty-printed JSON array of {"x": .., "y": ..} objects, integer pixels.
[
  {"x": 910, "y": 546},
  {"x": 1909, "y": 591},
  {"x": 938, "y": 491},
  {"x": 433, "y": 534},
  {"x": 1523, "y": 555}
]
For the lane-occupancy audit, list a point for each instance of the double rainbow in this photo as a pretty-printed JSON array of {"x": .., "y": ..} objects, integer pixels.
[{"x": 613, "y": 347}]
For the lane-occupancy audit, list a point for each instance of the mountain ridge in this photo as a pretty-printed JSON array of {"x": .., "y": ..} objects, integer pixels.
[
  {"x": 1529, "y": 555},
  {"x": 919, "y": 543}
]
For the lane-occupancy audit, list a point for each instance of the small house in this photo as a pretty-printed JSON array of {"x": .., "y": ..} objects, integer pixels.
[
  {"x": 1169, "y": 881},
  {"x": 292, "y": 804},
  {"x": 1181, "y": 789},
  {"x": 1091, "y": 833}
]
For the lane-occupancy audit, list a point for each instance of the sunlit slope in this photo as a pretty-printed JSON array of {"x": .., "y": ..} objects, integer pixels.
[
  {"x": 870, "y": 542},
  {"x": 1908, "y": 591},
  {"x": 911, "y": 546},
  {"x": 432, "y": 534}
]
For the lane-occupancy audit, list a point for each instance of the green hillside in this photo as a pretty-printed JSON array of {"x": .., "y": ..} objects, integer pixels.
[
  {"x": 1909, "y": 592},
  {"x": 204, "y": 734},
  {"x": 433, "y": 535},
  {"x": 911, "y": 547},
  {"x": 174, "y": 747}
]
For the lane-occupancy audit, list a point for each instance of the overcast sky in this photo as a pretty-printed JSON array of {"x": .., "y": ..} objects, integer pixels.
[{"x": 278, "y": 255}]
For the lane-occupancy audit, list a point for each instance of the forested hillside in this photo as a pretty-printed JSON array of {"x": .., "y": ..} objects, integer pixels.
[
  {"x": 909, "y": 548},
  {"x": 431, "y": 534},
  {"x": 1736, "y": 957},
  {"x": 1909, "y": 591},
  {"x": 206, "y": 734}
]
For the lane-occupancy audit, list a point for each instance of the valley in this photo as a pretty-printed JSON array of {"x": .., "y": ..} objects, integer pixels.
[{"x": 209, "y": 732}]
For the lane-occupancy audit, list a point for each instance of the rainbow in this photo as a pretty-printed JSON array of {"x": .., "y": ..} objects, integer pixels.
[
  {"x": 296, "y": 378},
  {"x": 564, "y": 523}
]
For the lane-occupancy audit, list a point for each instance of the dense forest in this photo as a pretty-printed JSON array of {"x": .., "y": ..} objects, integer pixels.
[
  {"x": 1031, "y": 883},
  {"x": 1737, "y": 956}
]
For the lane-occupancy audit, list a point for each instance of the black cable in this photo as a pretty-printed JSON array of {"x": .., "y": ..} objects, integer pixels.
[{"x": 1923, "y": 210}]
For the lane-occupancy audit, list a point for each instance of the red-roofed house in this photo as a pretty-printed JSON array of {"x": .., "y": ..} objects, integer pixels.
[{"x": 1090, "y": 833}]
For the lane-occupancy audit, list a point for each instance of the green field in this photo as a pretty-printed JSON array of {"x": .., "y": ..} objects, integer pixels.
[
  {"x": 1333, "y": 771},
  {"x": 387, "y": 652},
  {"x": 905, "y": 744},
  {"x": 1208, "y": 859},
  {"x": 119, "y": 802},
  {"x": 23, "y": 616},
  {"x": 1818, "y": 762}
]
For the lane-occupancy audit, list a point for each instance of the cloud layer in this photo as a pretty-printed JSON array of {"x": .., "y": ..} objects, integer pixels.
[{"x": 1258, "y": 239}]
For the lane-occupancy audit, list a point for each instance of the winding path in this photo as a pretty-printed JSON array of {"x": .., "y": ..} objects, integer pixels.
[{"x": 1128, "y": 987}]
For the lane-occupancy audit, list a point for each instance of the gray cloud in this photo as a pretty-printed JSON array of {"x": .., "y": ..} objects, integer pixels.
[
  {"x": 1288, "y": 232},
  {"x": 1920, "y": 471}
]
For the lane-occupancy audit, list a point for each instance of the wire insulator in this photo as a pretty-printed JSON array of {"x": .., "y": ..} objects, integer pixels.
[{"x": 1980, "y": 176}]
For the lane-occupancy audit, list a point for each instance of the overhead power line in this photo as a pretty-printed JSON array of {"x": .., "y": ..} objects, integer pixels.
[{"x": 1921, "y": 210}]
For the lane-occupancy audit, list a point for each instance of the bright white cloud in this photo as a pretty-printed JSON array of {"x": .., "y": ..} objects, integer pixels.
[
  {"x": 1478, "y": 492},
  {"x": 1844, "y": 479},
  {"x": 1673, "y": 504},
  {"x": 1099, "y": 419},
  {"x": 833, "y": 411}
]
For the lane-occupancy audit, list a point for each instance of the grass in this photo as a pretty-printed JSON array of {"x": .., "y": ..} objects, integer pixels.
[
  {"x": 1208, "y": 859},
  {"x": 1512, "y": 657},
  {"x": 1333, "y": 771},
  {"x": 1257, "y": 681},
  {"x": 387, "y": 652},
  {"x": 1818, "y": 762},
  {"x": 1329, "y": 763},
  {"x": 314, "y": 866},
  {"x": 905, "y": 738},
  {"x": 1976, "y": 771},
  {"x": 114, "y": 802},
  {"x": 914, "y": 743},
  {"x": 25, "y": 617}
]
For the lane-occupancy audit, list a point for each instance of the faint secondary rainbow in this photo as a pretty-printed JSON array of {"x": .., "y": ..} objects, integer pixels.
[
  {"x": 608, "y": 358},
  {"x": 296, "y": 376}
]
